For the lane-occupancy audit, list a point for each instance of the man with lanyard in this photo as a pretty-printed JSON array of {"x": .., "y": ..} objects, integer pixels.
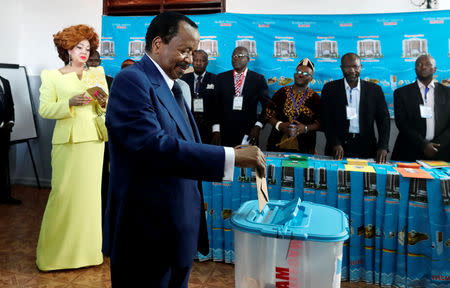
[
  {"x": 202, "y": 85},
  {"x": 422, "y": 116},
  {"x": 238, "y": 92},
  {"x": 350, "y": 108}
]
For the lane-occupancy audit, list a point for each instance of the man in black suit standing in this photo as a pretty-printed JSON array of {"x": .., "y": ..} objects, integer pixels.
[
  {"x": 238, "y": 92},
  {"x": 422, "y": 116},
  {"x": 351, "y": 106},
  {"x": 202, "y": 85},
  {"x": 6, "y": 125}
]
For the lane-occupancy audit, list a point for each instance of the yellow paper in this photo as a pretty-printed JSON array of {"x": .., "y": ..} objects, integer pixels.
[
  {"x": 356, "y": 161},
  {"x": 359, "y": 168}
]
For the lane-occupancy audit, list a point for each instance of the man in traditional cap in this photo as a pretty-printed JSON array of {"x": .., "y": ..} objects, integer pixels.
[{"x": 350, "y": 107}]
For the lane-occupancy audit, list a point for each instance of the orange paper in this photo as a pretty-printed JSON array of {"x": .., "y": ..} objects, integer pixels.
[
  {"x": 408, "y": 165},
  {"x": 413, "y": 173}
]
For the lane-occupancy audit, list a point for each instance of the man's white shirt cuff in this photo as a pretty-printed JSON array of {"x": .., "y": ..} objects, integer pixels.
[
  {"x": 229, "y": 164},
  {"x": 216, "y": 128}
]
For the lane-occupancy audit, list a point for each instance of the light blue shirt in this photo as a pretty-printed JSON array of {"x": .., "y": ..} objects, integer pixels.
[{"x": 353, "y": 97}]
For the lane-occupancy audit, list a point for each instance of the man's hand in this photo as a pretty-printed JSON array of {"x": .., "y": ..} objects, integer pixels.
[
  {"x": 254, "y": 135},
  {"x": 284, "y": 127},
  {"x": 216, "y": 138},
  {"x": 381, "y": 156},
  {"x": 250, "y": 157},
  {"x": 338, "y": 152},
  {"x": 431, "y": 149},
  {"x": 301, "y": 128},
  {"x": 80, "y": 100}
]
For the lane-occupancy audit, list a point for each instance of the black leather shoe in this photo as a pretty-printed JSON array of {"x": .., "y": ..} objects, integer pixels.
[{"x": 10, "y": 201}]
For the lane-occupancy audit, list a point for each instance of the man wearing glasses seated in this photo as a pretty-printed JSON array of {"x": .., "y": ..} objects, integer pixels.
[
  {"x": 238, "y": 92},
  {"x": 350, "y": 107}
]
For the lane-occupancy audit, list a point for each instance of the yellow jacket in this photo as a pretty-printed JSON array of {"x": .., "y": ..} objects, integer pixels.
[{"x": 74, "y": 124}]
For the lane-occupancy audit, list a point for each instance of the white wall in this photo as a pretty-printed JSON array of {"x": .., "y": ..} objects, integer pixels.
[
  {"x": 28, "y": 39},
  {"x": 325, "y": 6}
]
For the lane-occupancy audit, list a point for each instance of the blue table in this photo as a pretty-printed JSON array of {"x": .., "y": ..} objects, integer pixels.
[{"x": 399, "y": 227}]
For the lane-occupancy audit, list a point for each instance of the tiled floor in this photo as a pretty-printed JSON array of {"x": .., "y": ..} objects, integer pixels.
[{"x": 19, "y": 231}]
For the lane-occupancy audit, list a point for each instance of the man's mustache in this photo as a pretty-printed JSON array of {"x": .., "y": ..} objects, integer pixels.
[{"x": 183, "y": 65}]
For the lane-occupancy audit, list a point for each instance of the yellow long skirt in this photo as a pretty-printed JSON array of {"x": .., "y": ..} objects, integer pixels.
[{"x": 71, "y": 232}]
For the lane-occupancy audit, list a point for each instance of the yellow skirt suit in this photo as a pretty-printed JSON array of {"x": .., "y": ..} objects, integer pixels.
[{"x": 71, "y": 232}]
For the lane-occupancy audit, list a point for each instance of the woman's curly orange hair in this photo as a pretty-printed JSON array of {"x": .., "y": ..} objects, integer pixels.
[{"x": 69, "y": 37}]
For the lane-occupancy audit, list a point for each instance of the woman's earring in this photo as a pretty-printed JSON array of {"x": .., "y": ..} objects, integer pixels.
[
  {"x": 85, "y": 66},
  {"x": 70, "y": 60}
]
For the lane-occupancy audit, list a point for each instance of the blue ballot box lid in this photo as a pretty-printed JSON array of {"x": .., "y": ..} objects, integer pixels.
[{"x": 292, "y": 220}]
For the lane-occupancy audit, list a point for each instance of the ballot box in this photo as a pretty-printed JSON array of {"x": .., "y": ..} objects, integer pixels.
[{"x": 288, "y": 244}]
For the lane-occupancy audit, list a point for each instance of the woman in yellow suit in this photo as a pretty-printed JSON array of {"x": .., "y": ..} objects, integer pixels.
[{"x": 71, "y": 232}]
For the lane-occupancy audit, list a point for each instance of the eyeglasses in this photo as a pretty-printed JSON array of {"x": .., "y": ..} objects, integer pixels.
[
  {"x": 239, "y": 56},
  {"x": 354, "y": 67},
  {"x": 302, "y": 73}
]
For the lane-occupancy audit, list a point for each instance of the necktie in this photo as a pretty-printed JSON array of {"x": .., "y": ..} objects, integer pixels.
[
  {"x": 237, "y": 84},
  {"x": 197, "y": 85},
  {"x": 178, "y": 93}
]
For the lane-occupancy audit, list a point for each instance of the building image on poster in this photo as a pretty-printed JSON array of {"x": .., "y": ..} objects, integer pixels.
[
  {"x": 210, "y": 46},
  {"x": 107, "y": 48},
  {"x": 369, "y": 48},
  {"x": 284, "y": 48},
  {"x": 326, "y": 49},
  {"x": 414, "y": 47},
  {"x": 248, "y": 43},
  {"x": 136, "y": 48}
]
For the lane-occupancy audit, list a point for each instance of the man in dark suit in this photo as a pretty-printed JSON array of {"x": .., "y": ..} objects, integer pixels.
[
  {"x": 6, "y": 125},
  {"x": 350, "y": 108},
  {"x": 155, "y": 219},
  {"x": 422, "y": 116},
  {"x": 238, "y": 92},
  {"x": 202, "y": 85}
]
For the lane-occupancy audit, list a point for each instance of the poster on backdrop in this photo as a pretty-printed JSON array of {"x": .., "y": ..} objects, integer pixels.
[{"x": 388, "y": 44}]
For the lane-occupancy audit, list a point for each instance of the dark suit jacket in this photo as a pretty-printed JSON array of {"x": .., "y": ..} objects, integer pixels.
[
  {"x": 6, "y": 115},
  {"x": 372, "y": 109},
  {"x": 6, "y": 103},
  {"x": 411, "y": 141},
  {"x": 206, "y": 92},
  {"x": 235, "y": 124},
  {"x": 154, "y": 206}
]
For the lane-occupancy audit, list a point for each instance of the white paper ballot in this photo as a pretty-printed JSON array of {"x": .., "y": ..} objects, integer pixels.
[{"x": 245, "y": 140}]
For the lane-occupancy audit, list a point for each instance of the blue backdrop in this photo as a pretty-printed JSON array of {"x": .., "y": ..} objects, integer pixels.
[{"x": 387, "y": 43}]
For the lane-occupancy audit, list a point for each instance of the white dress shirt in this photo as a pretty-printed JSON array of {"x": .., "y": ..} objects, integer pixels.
[
  {"x": 353, "y": 97},
  {"x": 429, "y": 102}
]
